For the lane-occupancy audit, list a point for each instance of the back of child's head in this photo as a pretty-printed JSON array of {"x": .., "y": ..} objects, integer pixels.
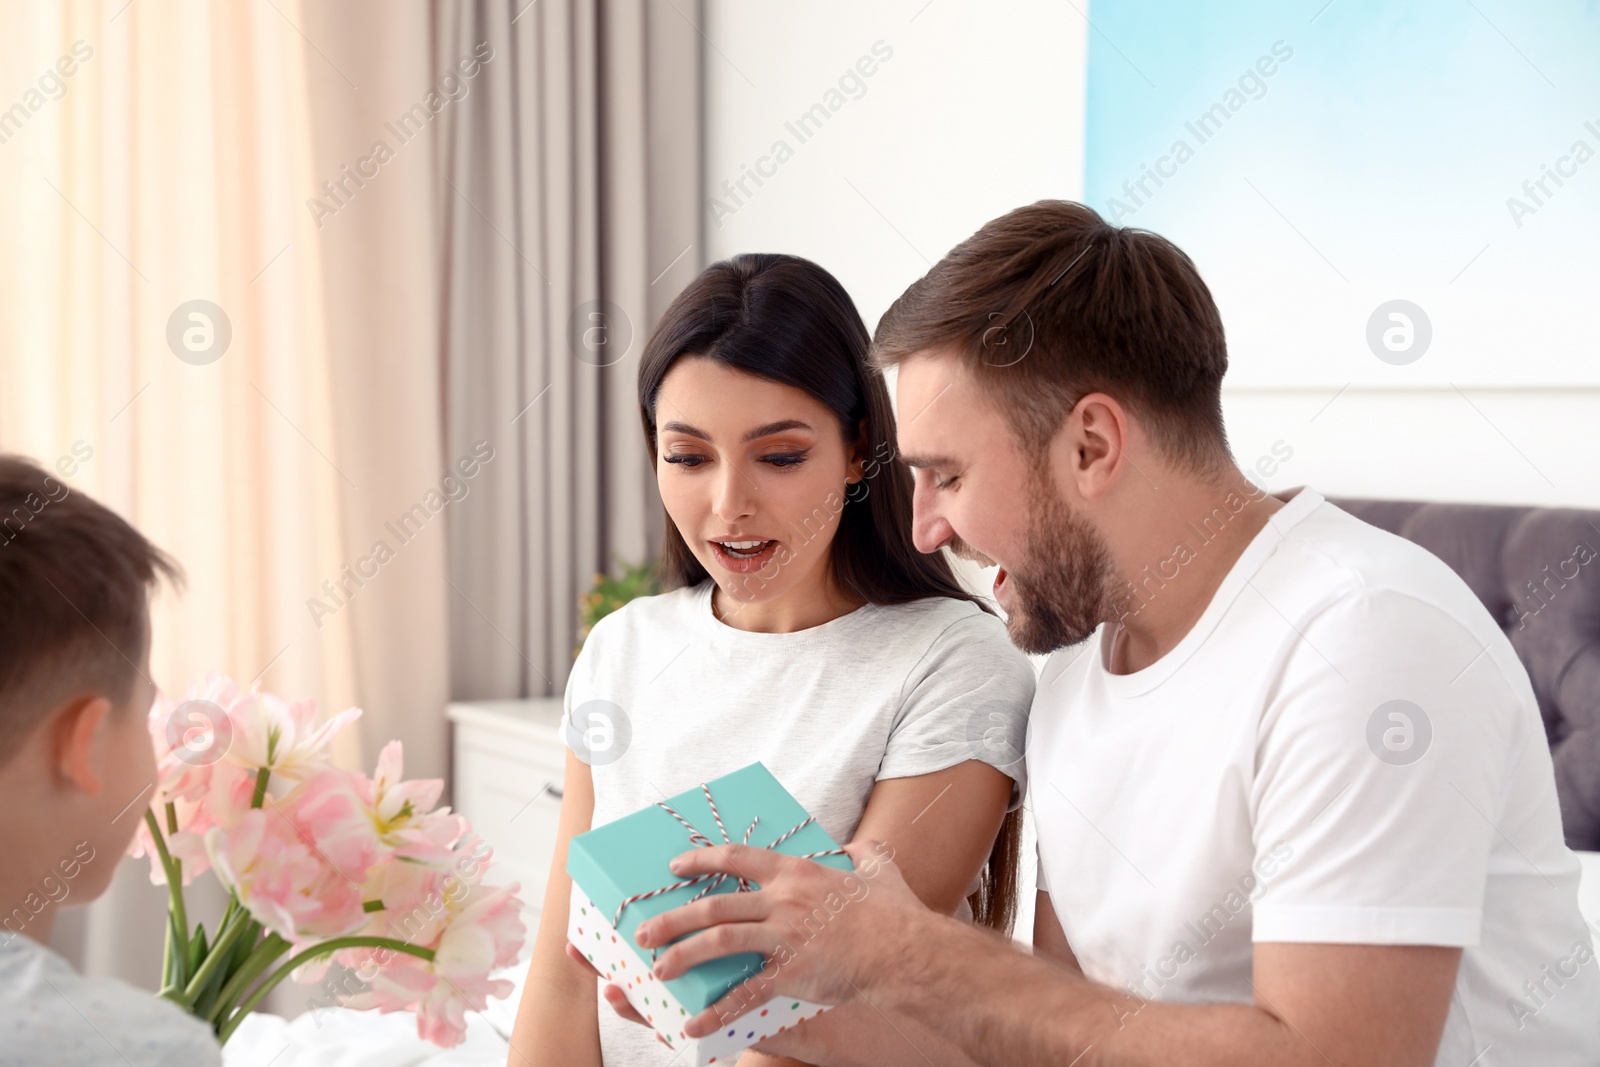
[{"x": 75, "y": 581}]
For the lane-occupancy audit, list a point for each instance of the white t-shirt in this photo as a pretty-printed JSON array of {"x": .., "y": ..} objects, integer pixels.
[
  {"x": 52, "y": 1016},
  {"x": 882, "y": 692},
  {"x": 1344, "y": 749}
]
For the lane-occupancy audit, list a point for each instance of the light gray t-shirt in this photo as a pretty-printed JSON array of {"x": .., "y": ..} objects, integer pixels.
[
  {"x": 52, "y": 1016},
  {"x": 882, "y": 692}
]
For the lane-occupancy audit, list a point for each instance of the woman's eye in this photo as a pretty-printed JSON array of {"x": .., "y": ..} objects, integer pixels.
[
  {"x": 691, "y": 461},
  {"x": 945, "y": 485},
  {"x": 788, "y": 459}
]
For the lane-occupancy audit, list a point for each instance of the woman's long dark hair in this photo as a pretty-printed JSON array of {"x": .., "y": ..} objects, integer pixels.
[{"x": 787, "y": 320}]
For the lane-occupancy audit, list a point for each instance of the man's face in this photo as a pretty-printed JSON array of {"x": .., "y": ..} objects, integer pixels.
[{"x": 978, "y": 493}]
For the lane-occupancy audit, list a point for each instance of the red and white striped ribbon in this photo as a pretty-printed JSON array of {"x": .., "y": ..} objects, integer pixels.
[{"x": 699, "y": 840}]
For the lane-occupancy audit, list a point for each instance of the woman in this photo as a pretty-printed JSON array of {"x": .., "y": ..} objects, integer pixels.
[{"x": 801, "y": 628}]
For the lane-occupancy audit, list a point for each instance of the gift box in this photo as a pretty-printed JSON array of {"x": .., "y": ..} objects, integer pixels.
[{"x": 620, "y": 878}]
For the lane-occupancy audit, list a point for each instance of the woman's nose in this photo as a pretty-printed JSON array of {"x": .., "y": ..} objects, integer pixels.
[{"x": 734, "y": 494}]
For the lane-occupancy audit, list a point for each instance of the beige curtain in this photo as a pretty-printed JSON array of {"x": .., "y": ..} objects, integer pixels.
[
  {"x": 571, "y": 209},
  {"x": 167, "y": 172},
  {"x": 168, "y": 156},
  {"x": 398, "y": 248}
]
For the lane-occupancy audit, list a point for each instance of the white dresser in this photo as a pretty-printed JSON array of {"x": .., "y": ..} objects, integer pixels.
[{"x": 509, "y": 763}]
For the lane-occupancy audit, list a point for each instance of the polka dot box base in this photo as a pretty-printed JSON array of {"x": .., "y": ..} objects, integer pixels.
[{"x": 592, "y": 933}]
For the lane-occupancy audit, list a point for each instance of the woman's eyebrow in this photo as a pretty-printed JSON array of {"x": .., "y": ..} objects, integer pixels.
[
  {"x": 754, "y": 435},
  {"x": 775, "y": 427}
]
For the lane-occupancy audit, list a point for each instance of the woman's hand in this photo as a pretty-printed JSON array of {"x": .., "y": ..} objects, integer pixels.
[{"x": 613, "y": 992}]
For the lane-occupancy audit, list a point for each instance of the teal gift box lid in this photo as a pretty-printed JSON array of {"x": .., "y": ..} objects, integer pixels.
[{"x": 629, "y": 856}]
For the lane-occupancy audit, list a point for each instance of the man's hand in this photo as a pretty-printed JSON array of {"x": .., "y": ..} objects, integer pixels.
[{"x": 826, "y": 934}]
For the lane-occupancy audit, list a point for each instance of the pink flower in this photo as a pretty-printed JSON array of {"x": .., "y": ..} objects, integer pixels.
[
  {"x": 324, "y": 843},
  {"x": 329, "y": 811},
  {"x": 279, "y": 873},
  {"x": 210, "y": 749},
  {"x": 473, "y": 930},
  {"x": 299, "y": 863},
  {"x": 486, "y": 935},
  {"x": 283, "y": 736},
  {"x": 229, "y": 795},
  {"x": 419, "y": 899},
  {"x": 188, "y": 738},
  {"x": 402, "y": 812},
  {"x": 228, "y": 789}
]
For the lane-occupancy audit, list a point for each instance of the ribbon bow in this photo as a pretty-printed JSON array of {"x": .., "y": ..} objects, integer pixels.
[{"x": 699, "y": 840}]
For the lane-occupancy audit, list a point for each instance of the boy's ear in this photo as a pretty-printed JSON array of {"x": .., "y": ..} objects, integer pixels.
[{"x": 75, "y": 728}]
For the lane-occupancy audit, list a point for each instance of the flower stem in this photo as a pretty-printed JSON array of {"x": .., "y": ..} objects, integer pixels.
[
  {"x": 180, "y": 915},
  {"x": 298, "y": 958},
  {"x": 262, "y": 957},
  {"x": 261, "y": 787}
]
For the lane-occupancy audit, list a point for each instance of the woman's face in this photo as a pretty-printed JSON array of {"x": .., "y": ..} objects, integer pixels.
[{"x": 753, "y": 474}]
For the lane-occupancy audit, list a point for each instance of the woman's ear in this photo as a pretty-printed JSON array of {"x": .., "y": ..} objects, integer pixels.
[
  {"x": 77, "y": 726},
  {"x": 858, "y": 454}
]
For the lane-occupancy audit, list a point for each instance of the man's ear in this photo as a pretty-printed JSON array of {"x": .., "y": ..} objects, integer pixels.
[
  {"x": 1096, "y": 436},
  {"x": 76, "y": 725}
]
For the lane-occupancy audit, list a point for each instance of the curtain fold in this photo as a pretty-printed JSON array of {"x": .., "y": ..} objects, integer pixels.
[
  {"x": 168, "y": 168},
  {"x": 572, "y": 218},
  {"x": 371, "y": 199},
  {"x": 418, "y": 444}
]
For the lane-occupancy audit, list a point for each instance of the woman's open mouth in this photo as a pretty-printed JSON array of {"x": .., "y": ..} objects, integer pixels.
[{"x": 744, "y": 557}]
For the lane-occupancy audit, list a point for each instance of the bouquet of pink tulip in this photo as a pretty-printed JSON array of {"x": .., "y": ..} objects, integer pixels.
[{"x": 320, "y": 863}]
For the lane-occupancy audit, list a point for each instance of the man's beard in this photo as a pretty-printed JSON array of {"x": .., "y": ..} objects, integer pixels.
[{"x": 1068, "y": 585}]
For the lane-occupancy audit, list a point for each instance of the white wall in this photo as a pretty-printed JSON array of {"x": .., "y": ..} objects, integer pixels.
[
  {"x": 1493, "y": 445},
  {"x": 980, "y": 109}
]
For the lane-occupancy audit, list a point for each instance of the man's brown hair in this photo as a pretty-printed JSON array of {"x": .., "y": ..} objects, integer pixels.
[
  {"x": 1050, "y": 302},
  {"x": 74, "y": 598}
]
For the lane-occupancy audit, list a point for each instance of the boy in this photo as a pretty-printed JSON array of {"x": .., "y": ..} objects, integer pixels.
[{"x": 76, "y": 768}]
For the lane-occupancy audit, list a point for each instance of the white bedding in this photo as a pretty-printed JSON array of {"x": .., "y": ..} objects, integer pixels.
[{"x": 339, "y": 1037}]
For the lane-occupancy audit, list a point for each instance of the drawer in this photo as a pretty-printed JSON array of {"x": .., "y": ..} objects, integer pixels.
[
  {"x": 514, "y": 803},
  {"x": 508, "y": 770}
]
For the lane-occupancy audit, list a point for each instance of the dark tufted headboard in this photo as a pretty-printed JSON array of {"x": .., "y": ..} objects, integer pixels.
[{"x": 1537, "y": 570}]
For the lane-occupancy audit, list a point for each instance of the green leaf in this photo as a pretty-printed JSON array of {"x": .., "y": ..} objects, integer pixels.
[
  {"x": 262, "y": 956},
  {"x": 608, "y": 593},
  {"x": 197, "y": 948},
  {"x": 245, "y": 945}
]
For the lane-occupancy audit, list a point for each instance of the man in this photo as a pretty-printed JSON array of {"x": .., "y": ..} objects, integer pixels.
[{"x": 1292, "y": 789}]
